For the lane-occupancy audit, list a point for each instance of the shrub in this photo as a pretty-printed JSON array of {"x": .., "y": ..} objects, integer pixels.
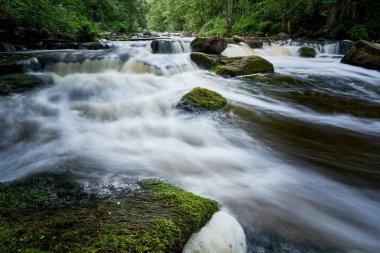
[
  {"x": 87, "y": 32},
  {"x": 358, "y": 32}
]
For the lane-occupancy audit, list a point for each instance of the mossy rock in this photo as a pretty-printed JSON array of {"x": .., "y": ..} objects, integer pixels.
[
  {"x": 17, "y": 63},
  {"x": 308, "y": 52},
  {"x": 18, "y": 83},
  {"x": 201, "y": 99},
  {"x": 274, "y": 79},
  {"x": 364, "y": 54},
  {"x": 52, "y": 213},
  {"x": 239, "y": 66},
  {"x": 232, "y": 66},
  {"x": 206, "y": 61}
]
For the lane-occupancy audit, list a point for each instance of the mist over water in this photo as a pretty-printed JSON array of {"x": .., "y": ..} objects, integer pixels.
[{"x": 294, "y": 158}]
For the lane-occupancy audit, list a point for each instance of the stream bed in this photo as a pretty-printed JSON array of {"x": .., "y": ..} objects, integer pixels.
[{"x": 294, "y": 156}]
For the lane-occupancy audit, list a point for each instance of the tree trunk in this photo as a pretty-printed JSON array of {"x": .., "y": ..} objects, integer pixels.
[
  {"x": 331, "y": 16},
  {"x": 227, "y": 19}
]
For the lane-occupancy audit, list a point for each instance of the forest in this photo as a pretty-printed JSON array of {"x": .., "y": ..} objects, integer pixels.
[{"x": 336, "y": 19}]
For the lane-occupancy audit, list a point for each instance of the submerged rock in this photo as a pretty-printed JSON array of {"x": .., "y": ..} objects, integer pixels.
[
  {"x": 364, "y": 54},
  {"x": 18, "y": 83},
  {"x": 201, "y": 99},
  {"x": 54, "y": 214},
  {"x": 214, "y": 45},
  {"x": 250, "y": 41},
  {"x": 307, "y": 52},
  {"x": 232, "y": 66}
]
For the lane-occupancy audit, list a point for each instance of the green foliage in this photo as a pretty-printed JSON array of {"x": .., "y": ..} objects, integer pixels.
[
  {"x": 358, "y": 32},
  {"x": 353, "y": 19},
  {"x": 68, "y": 15},
  {"x": 51, "y": 213},
  {"x": 87, "y": 32}
]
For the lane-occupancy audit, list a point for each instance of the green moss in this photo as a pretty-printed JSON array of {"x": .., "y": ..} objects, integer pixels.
[
  {"x": 226, "y": 71},
  {"x": 202, "y": 99},
  {"x": 18, "y": 83},
  {"x": 50, "y": 213}
]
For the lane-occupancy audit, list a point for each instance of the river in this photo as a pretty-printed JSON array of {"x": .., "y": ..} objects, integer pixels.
[{"x": 294, "y": 156}]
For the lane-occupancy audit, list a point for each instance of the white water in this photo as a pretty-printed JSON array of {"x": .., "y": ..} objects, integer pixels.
[{"x": 115, "y": 119}]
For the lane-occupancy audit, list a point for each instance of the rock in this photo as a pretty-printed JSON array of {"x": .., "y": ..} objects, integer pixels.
[
  {"x": 282, "y": 35},
  {"x": 250, "y": 41},
  {"x": 239, "y": 66},
  {"x": 18, "y": 83},
  {"x": 201, "y": 99},
  {"x": 58, "y": 46},
  {"x": 232, "y": 66},
  {"x": 5, "y": 47},
  {"x": 364, "y": 54},
  {"x": 206, "y": 61},
  {"x": 274, "y": 79},
  {"x": 307, "y": 52},
  {"x": 55, "y": 213},
  {"x": 99, "y": 45},
  {"x": 17, "y": 63},
  {"x": 222, "y": 234},
  {"x": 215, "y": 45}
]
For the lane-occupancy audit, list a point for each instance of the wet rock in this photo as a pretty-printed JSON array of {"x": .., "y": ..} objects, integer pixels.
[
  {"x": 53, "y": 213},
  {"x": 239, "y": 66},
  {"x": 214, "y": 45},
  {"x": 17, "y": 63},
  {"x": 18, "y": 83},
  {"x": 364, "y": 54},
  {"x": 307, "y": 52},
  {"x": 5, "y": 47},
  {"x": 250, "y": 41},
  {"x": 99, "y": 45},
  {"x": 222, "y": 234},
  {"x": 232, "y": 66},
  {"x": 61, "y": 45},
  {"x": 201, "y": 99},
  {"x": 161, "y": 46},
  {"x": 274, "y": 79},
  {"x": 206, "y": 61}
]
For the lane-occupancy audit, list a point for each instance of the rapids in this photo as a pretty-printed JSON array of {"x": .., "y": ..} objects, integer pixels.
[{"x": 294, "y": 156}]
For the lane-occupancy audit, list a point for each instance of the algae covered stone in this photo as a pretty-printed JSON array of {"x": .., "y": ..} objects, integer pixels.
[
  {"x": 239, "y": 66},
  {"x": 52, "y": 213},
  {"x": 201, "y": 99},
  {"x": 18, "y": 83}
]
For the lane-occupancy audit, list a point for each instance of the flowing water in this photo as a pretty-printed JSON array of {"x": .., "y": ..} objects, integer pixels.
[{"x": 294, "y": 155}]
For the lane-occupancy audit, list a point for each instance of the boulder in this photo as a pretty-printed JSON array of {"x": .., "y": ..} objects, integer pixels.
[
  {"x": 364, "y": 54},
  {"x": 201, "y": 99},
  {"x": 206, "y": 61},
  {"x": 250, "y": 41},
  {"x": 232, "y": 66},
  {"x": 18, "y": 83},
  {"x": 307, "y": 52},
  {"x": 240, "y": 66},
  {"x": 5, "y": 47},
  {"x": 55, "y": 213},
  {"x": 17, "y": 63},
  {"x": 215, "y": 45}
]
